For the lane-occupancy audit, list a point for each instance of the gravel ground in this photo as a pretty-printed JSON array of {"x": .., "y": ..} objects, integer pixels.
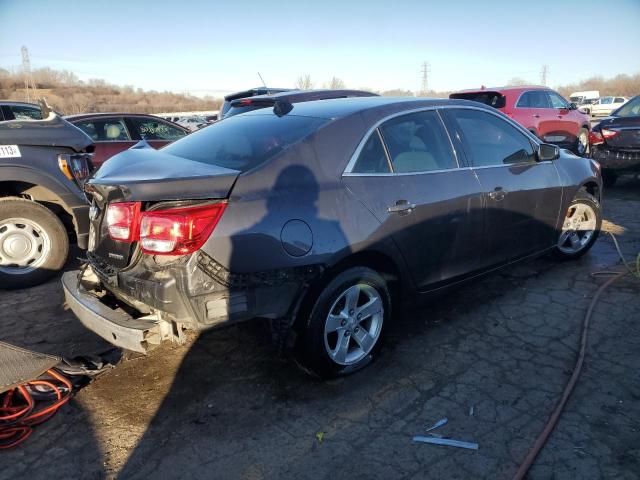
[{"x": 492, "y": 357}]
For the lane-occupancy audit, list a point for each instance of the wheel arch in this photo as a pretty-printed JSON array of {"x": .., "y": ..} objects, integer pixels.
[{"x": 592, "y": 187}]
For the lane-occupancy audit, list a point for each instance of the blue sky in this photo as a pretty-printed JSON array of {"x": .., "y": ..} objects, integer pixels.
[{"x": 218, "y": 46}]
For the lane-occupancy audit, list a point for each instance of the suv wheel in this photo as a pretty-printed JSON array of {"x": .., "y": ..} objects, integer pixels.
[
  {"x": 344, "y": 330},
  {"x": 580, "y": 228},
  {"x": 33, "y": 243}
]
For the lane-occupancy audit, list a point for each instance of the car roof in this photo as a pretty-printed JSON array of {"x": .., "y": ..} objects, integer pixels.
[
  {"x": 343, "y": 107},
  {"x": 13, "y": 102},
  {"x": 515, "y": 89}
]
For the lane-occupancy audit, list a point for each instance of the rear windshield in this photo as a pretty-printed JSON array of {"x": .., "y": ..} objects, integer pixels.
[
  {"x": 629, "y": 109},
  {"x": 493, "y": 99},
  {"x": 245, "y": 141}
]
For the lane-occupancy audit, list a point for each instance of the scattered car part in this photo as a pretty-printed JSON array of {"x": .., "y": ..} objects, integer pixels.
[{"x": 447, "y": 442}]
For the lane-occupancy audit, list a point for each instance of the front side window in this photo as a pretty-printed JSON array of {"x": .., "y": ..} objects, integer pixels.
[
  {"x": 105, "y": 129},
  {"x": 557, "y": 101},
  {"x": 151, "y": 129},
  {"x": 491, "y": 141},
  {"x": 372, "y": 158},
  {"x": 418, "y": 142},
  {"x": 606, "y": 100},
  {"x": 23, "y": 112}
]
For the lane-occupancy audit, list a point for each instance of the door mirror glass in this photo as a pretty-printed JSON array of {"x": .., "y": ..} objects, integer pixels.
[
  {"x": 547, "y": 152},
  {"x": 573, "y": 106}
]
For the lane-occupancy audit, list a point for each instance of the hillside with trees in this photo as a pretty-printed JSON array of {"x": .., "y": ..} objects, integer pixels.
[{"x": 69, "y": 95}]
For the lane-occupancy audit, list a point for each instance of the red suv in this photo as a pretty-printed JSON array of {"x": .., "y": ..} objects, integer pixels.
[{"x": 539, "y": 109}]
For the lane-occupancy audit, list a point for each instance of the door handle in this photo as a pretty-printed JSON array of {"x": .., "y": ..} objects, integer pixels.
[
  {"x": 535, "y": 115},
  {"x": 402, "y": 207},
  {"x": 498, "y": 194}
]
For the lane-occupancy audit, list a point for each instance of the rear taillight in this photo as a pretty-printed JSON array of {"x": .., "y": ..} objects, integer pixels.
[
  {"x": 123, "y": 220},
  {"x": 179, "y": 231},
  {"x": 595, "y": 138},
  {"x": 609, "y": 134}
]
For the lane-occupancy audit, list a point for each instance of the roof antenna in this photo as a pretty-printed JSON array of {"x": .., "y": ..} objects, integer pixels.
[{"x": 263, "y": 82}]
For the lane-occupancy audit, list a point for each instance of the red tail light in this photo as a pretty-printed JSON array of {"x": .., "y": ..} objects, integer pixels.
[
  {"x": 123, "y": 221},
  {"x": 598, "y": 138},
  {"x": 179, "y": 231},
  {"x": 608, "y": 134},
  {"x": 163, "y": 232}
]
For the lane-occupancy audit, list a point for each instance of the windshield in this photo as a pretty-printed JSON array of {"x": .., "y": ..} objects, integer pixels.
[
  {"x": 244, "y": 141},
  {"x": 629, "y": 109}
]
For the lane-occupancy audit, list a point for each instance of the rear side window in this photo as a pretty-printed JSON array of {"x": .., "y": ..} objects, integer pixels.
[
  {"x": 23, "y": 112},
  {"x": 418, "y": 142},
  {"x": 491, "y": 141},
  {"x": 105, "y": 129},
  {"x": 151, "y": 129},
  {"x": 493, "y": 99},
  {"x": 244, "y": 141},
  {"x": 372, "y": 158}
]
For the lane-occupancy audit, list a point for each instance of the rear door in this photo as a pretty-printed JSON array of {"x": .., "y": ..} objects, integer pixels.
[
  {"x": 408, "y": 175},
  {"x": 522, "y": 196}
]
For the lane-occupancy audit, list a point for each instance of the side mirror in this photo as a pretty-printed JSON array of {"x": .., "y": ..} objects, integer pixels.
[
  {"x": 573, "y": 106},
  {"x": 547, "y": 152}
]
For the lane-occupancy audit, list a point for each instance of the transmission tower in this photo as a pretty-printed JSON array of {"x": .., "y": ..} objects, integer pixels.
[
  {"x": 26, "y": 72},
  {"x": 426, "y": 70},
  {"x": 543, "y": 74}
]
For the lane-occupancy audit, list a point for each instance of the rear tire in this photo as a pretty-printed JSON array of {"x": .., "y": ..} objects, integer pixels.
[
  {"x": 33, "y": 243},
  {"x": 581, "y": 227},
  {"x": 345, "y": 326},
  {"x": 609, "y": 178}
]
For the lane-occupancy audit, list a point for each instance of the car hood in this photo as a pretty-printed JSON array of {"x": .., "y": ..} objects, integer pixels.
[{"x": 53, "y": 131}]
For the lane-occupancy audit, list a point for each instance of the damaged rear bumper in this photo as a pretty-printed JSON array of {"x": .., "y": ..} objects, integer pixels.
[{"x": 115, "y": 326}]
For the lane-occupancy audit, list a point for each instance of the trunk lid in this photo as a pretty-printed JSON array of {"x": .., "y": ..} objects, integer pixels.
[{"x": 142, "y": 174}]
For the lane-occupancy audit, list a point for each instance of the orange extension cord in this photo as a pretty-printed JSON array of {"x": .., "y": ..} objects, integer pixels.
[{"x": 19, "y": 412}]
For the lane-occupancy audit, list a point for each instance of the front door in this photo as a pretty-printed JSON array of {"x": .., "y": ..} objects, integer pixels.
[
  {"x": 522, "y": 196},
  {"x": 407, "y": 174}
]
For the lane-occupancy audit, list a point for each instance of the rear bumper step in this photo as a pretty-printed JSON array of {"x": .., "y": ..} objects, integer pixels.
[{"x": 116, "y": 327}]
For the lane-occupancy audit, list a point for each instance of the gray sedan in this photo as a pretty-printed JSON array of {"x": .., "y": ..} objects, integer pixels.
[{"x": 322, "y": 217}]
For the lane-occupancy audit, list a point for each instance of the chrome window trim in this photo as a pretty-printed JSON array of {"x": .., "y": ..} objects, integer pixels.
[{"x": 354, "y": 158}]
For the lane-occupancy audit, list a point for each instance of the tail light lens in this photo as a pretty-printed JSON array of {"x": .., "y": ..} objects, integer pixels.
[
  {"x": 595, "y": 138},
  {"x": 123, "y": 220},
  {"x": 608, "y": 134},
  {"x": 179, "y": 231}
]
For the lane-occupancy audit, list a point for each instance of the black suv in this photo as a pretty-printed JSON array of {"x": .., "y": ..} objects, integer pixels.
[
  {"x": 243, "y": 102},
  {"x": 43, "y": 163}
]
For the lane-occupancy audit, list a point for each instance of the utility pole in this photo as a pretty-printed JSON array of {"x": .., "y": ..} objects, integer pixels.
[
  {"x": 26, "y": 71},
  {"x": 426, "y": 70},
  {"x": 543, "y": 74}
]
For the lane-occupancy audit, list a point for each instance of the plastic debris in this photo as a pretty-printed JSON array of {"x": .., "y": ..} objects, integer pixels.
[
  {"x": 471, "y": 410},
  {"x": 449, "y": 442},
  {"x": 438, "y": 424},
  {"x": 319, "y": 436}
]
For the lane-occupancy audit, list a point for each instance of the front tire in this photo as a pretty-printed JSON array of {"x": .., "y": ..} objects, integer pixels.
[
  {"x": 344, "y": 330},
  {"x": 582, "y": 143},
  {"x": 580, "y": 228},
  {"x": 33, "y": 243}
]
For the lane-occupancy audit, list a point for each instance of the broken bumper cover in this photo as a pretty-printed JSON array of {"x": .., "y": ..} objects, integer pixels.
[
  {"x": 616, "y": 159},
  {"x": 114, "y": 326}
]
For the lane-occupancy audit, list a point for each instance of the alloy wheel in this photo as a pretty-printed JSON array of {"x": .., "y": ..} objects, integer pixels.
[
  {"x": 353, "y": 325},
  {"x": 578, "y": 228},
  {"x": 24, "y": 246},
  {"x": 583, "y": 141}
]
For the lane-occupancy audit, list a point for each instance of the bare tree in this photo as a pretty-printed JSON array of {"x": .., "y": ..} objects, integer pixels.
[
  {"x": 335, "y": 84},
  {"x": 304, "y": 82}
]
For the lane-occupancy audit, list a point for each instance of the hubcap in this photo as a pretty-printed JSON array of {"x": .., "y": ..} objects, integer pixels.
[
  {"x": 578, "y": 228},
  {"x": 24, "y": 246},
  {"x": 354, "y": 324},
  {"x": 582, "y": 143}
]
